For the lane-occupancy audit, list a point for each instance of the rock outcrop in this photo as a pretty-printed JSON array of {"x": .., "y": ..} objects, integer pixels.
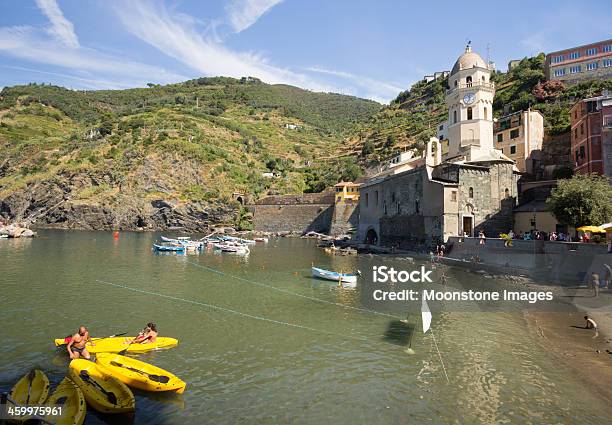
[{"x": 16, "y": 231}]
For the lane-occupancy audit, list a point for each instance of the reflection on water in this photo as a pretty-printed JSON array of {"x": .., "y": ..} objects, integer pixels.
[{"x": 338, "y": 365}]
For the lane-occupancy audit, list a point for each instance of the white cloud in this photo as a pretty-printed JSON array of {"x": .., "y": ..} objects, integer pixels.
[
  {"x": 32, "y": 45},
  {"x": 178, "y": 37},
  {"x": 244, "y": 13},
  {"x": 61, "y": 28}
]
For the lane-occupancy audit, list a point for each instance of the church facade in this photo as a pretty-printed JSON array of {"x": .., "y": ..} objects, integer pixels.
[{"x": 473, "y": 187}]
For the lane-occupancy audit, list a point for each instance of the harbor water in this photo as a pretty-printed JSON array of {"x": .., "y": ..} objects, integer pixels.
[{"x": 261, "y": 342}]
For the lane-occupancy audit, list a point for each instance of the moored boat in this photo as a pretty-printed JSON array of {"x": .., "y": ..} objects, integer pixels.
[
  {"x": 103, "y": 392},
  {"x": 31, "y": 389},
  {"x": 168, "y": 248},
  {"x": 70, "y": 397},
  {"x": 334, "y": 276},
  {"x": 262, "y": 239},
  {"x": 138, "y": 374},
  {"x": 232, "y": 247}
]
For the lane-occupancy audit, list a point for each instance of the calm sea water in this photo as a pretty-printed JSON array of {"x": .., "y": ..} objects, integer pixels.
[{"x": 277, "y": 356}]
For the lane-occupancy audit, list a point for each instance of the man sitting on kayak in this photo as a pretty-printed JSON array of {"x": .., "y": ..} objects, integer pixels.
[
  {"x": 147, "y": 336},
  {"x": 76, "y": 346}
]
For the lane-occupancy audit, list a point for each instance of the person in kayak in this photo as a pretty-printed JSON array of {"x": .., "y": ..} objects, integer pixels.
[
  {"x": 147, "y": 335},
  {"x": 76, "y": 346}
]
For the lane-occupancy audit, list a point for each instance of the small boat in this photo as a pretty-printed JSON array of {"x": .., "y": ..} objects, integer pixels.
[
  {"x": 334, "y": 276},
  {"x": 117, "y": 344},
  {"x": 264, "y": 240},
  {"x": 69, "y": 396},
  {"x": 102, "y": 392},
  {"x": 138, "y": 374},
  {"x": 168, "y": 248},
  {"x": 3, "y": 236},
  {"x": 31, "y": 389},
  {"x": 232, "y": 247},
  {"x": 170, "y": 240}
]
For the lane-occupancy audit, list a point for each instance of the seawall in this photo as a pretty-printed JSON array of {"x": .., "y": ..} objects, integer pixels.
[{"x": 558, "y": 262}]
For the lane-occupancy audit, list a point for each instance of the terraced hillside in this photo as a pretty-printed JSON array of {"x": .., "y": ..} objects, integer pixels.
[
  {"x": 178, "y": 155},
  {"x": 409, "y": 121}
]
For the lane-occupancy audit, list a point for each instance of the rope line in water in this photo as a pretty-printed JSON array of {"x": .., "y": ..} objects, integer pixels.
[
  {"x": 440, "y": 356},
  {"x": 230, "y": 311},
  {"x": 364, "y": 310}
]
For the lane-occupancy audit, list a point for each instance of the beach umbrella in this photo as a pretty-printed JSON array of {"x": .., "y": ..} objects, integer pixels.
[{"x": 591, "y": 229}]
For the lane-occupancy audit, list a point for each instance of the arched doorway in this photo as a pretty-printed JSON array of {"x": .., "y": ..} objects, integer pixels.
[{"x": 371, "y": 237}]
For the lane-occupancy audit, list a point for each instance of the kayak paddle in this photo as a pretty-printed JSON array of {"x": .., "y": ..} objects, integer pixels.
[
  {"x": 122, "y": 352},
  {"x": 31, "y": 377},
  {"x": 156, "y": 378},
  {"x": 109, "y": 394}
]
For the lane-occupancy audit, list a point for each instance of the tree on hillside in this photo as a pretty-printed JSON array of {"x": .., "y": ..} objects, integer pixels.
[{"x": 582, "y": 200}]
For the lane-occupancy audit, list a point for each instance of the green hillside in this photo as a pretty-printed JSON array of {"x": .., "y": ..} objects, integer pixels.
[
  {"x": 413, "y": 116},
  {"x": 69, "y": 155}
]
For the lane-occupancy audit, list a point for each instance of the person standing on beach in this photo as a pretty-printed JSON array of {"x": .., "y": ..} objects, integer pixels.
[
  {"x": 595, "y": 284},
  {"x": 481, "y": 235},
  {"x": 607, "y": 276}
]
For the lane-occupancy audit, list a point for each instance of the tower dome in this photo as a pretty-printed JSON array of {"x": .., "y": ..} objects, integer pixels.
[{"x": 468, "y": 59}]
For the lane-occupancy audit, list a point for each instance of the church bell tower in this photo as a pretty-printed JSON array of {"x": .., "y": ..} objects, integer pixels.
[{"x": 470, "y": 106}]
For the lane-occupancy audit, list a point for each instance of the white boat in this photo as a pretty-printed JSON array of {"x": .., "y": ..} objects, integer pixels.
[
  {"x": 348, "y": 278},
  {"x": 232, "y": 247},
  {"x": 3, "y": 236},
  {"x": 184, "y": 241}
]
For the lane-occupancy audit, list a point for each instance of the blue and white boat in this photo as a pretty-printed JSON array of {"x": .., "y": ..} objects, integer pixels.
[
  {"x": 347, "y": 278},
  {"x": 168, "y": 248}
]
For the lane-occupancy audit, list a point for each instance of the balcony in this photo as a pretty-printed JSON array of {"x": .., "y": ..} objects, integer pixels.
[{"x": 471, "y": 86}]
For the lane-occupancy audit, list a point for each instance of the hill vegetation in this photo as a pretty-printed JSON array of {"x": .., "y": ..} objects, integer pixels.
[
  {"x": 412, "y": 118},
  {"x": 202, "y": 142}
]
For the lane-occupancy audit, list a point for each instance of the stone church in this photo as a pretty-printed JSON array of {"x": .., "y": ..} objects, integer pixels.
[{"x": 423, "y": 200}]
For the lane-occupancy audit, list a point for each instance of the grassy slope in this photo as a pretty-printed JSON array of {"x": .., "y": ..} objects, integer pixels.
[{"x": 195, "y": 141}]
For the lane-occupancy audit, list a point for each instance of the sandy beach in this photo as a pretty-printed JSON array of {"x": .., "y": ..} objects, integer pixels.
[{"x": 582, "y": 350}]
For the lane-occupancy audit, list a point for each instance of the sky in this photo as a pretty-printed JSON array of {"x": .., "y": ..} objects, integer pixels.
[{"x": 372, "y": 49}]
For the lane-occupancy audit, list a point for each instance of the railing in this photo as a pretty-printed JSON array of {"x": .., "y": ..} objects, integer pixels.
[{"x": 474, "y": 85}]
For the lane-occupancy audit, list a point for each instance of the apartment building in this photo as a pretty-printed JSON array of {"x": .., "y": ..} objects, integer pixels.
[
  {"x": 591, "y": 135},
  {"x": 586, "y": 62},
  {"x": 517, "y": 135}
]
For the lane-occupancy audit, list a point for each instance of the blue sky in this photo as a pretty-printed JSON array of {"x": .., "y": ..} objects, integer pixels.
[{"x": 370, "y": 49}]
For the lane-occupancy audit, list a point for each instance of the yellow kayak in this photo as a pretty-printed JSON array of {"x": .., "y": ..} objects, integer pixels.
[
  {"x": 70, "y": 398},
  {"x": 138, "y": 374},
  {"x": 116, "y": 344},
  {"x": 31, "y": 389},
  {"x": 102, "y": 392}
]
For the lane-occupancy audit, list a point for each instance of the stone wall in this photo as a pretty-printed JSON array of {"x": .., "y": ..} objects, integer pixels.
[
  {"x": 294, "y": 213},
  {"x": 482, "y": 195},
  {"x": 345, "y": 218},
  {"x": 559, "y": 262}
]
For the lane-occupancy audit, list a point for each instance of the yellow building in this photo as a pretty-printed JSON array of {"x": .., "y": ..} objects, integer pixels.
[
  {"x": 535, "y": 215},
  {"x": 518, "y": 135},
  {"x": 347, "y": 192}
]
